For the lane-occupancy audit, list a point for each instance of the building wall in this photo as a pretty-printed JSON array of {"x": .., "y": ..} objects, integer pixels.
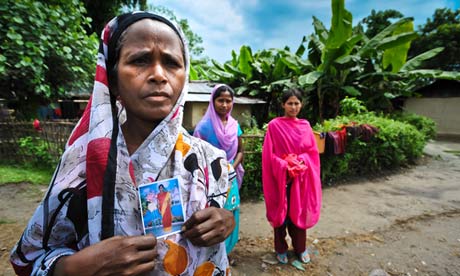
[
  {"x": 444, "y": 111},
  {"x": 194, "y": 111}
]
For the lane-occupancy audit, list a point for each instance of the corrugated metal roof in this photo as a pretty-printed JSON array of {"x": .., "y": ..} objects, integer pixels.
[{"x": 200, "y": 91}]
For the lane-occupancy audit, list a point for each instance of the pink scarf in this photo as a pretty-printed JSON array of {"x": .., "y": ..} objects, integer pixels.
[
  {"x": 225, "y": 137},
  {"x": 291, "y": 137}
]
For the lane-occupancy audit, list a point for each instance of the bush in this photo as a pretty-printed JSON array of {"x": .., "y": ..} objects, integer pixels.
[
  {"x": 396, "y": 144},
  {"x": 36, "y": 152},
  {"x": 423, "y": 124},
  {"x": 252, "y": 181}
]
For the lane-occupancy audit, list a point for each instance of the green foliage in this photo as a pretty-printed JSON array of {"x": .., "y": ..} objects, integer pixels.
[
  {"x": 44, "y": 49},
  {"x": 350, "y": 106},
  {"x": 194, "y": 40},
  {"x": 378, "y": 21},
  {"x": 423, "y": 124},
  {"x": 396, "y": 144},
  {"x": 36, "y": 151},
  {"x": 342, "y": 61},
  {"x": 252, "y": 182},
  {"x": 264, "y": 74},
  {"x": 18, "y": 174},
  {"x": 101, "y": 11},
  {"x": 442, "y": 30}
]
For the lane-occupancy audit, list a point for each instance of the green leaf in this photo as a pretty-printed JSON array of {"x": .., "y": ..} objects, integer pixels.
[
  {"x": 310, "y": 78},
  {"x": 18, "y": 20},
  {"x": 320, "y": 30},
  {"x": 221, "y": 74},
  {"x": 350, "y": 90},
  {"x": 301, "y": 50},
  {"x": 436, "y": 74},
  {"x": 389, "y": 95},
  {"x": 253, "y": 93},
  {"x": 240, "y": 90},
  {"x": 66, "y": 49},
  {"x": 417, "y": 61},
  {"x": 244, "y": 61},
  {"x": 397, "y": 40},
  {"x": 396, "y": 56},
  {"x": 217, "y": 65},
  {"x": 279, "y": 69},
  {"x": 14, "y": 36},
  {"x": 193, "y": 73},
  {"x": 374, "y": 42},
  {"x": 281, "y": 82},
  {"x": 341, "y": 24}
]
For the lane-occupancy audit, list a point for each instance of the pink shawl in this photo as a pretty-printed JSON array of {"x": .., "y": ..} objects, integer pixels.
[
  {"x": 291, "y": 136},
  {"x": 225, "y": 137}
]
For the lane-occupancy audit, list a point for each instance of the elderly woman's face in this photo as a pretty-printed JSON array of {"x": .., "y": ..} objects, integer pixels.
[{"x": 151, "y": 70}]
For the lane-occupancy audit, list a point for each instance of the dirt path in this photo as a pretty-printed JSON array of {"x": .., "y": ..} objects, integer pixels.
[{"x": 405, "y": 223}]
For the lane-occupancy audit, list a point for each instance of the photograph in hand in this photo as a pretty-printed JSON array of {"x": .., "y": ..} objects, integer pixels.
[{"x": 161, "y": 207}]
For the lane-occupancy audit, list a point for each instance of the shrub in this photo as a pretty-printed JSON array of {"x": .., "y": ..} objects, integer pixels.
[
  {"x": 396, "y": 144},
  {"x": 36, "y": 152},
  {"x": 423, "y": 124},
  {"x": 252, "y": 182},
  {"x": 352, "y": 105}
]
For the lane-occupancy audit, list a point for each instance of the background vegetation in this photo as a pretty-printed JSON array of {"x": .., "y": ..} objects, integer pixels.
[{"x": 348, "y": 74}]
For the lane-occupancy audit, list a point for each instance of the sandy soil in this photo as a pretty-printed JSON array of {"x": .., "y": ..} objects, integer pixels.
[{"x": 402, "y": 223}]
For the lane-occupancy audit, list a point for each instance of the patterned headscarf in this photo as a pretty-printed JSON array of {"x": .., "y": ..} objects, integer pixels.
[
  {"x": 98, "y": 128},
  {"x": 97, "y": 157}
]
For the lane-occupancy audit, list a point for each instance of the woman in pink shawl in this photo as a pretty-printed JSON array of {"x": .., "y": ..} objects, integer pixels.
[
  {"x": 291, "y": 178},
  {"x": 221, "y": 130}
]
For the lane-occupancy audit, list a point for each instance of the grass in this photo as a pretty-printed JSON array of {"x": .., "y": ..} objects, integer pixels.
[
  {"x": 18, "y": 174},
  {"x": 455, "y": 152}
]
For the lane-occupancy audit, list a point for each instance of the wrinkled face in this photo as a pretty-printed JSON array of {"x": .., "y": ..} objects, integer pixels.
[
  {"x": 151, "y": 71},
  {"x": 223, "y": 104},
  {"x": 292, "y": 107}
]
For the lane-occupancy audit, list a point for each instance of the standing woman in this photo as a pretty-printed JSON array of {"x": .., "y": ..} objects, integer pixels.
[
  {"x": 90, "y": 222},
  {"x": 221, "y": 130},
  {"x": 291, "y": 178}
]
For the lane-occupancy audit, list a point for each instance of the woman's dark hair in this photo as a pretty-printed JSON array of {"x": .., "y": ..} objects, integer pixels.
[
  {"x": 221, "y": 89},
  {"x": 162, "y": 186},
  {"x": 291, "y": 92}
]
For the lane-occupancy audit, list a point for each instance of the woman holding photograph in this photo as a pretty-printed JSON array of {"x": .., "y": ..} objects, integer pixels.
[{"x": 89, "y": 222}]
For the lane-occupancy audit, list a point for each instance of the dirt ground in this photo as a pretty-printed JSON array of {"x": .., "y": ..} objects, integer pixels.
[{"x": 405, "y": 222}]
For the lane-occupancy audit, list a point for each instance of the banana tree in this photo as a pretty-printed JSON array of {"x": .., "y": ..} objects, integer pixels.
[
  {"x": 264, "y": 74},
  {"x": 330, "y": 53},
  {"x": 374, "y": 70}
]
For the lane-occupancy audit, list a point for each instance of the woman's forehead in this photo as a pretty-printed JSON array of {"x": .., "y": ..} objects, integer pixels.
[{"x": 149, "y": 27}]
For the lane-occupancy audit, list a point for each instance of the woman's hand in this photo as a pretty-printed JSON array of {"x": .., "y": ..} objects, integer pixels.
[
  {"x": 209, "y": 226},
  {"x": 114, "y": 256}
]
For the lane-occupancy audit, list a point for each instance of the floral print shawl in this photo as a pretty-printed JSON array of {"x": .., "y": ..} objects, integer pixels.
[{"x": 93, "y": 193}]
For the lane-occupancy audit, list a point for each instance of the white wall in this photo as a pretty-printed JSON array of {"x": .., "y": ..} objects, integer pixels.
[{"x": 444, "y": 111}]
